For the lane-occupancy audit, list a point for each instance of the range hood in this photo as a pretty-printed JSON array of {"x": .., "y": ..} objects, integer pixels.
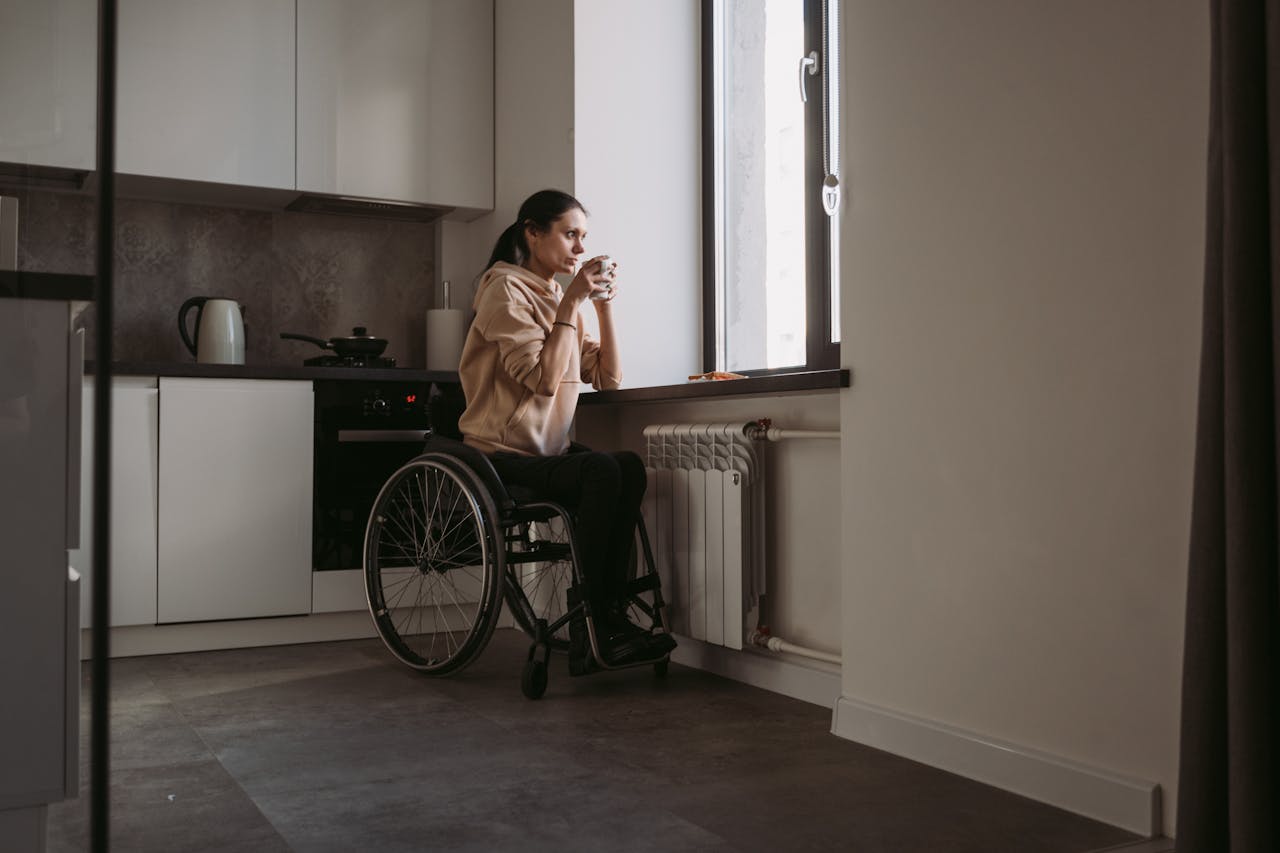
[
  {"x": 42, "y": 177},
  {"x": 341, "y": 205}
]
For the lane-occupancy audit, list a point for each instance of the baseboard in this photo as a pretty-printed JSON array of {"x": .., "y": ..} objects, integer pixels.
[
  {"x": 1149, "y": 845},
  {"x": 1132, "y": 804},
  {"x": 812, "y": 682},
  {"x": 238, "y": 634}
]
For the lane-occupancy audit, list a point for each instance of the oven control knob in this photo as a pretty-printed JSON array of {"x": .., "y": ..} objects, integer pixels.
[{"x": 381, "y": 406}]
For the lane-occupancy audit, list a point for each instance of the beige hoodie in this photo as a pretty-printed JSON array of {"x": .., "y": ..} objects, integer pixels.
[{"x": 501, "y": 367}]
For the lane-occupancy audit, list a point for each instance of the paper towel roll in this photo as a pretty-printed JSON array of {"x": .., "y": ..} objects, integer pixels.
[{"x": 446, "y": 327}]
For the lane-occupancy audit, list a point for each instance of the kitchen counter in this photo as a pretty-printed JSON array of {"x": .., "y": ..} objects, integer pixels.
[
  {"x": 752, "y": 386},
  {"x": 276, "y": 371},
  {"x": 815, "y": 380}
]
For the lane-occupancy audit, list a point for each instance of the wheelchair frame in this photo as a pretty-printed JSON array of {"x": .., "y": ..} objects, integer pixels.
[{"x": 447, "y": 542}]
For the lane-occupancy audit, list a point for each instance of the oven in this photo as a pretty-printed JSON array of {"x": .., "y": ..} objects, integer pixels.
[{"x": 364, "y": 430}]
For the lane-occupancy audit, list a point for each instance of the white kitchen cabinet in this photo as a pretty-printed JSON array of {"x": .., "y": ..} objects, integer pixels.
[
  {"x": 395, "y": 100},
  {"x": 206, "y": 90},
  {"x": 235, "y": 499},
  {"x": 48, "y": 82},
  {"x": 134, "y": 502}
]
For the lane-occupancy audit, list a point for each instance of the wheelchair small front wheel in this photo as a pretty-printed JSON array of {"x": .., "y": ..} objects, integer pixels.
[{"x": 533, "y": 681}]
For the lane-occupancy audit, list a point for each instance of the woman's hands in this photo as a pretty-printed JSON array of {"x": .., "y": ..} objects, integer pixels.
[{"x": 594, "y": 282}]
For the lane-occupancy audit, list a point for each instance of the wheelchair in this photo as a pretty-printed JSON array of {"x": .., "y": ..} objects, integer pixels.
[{"x": 448, "y": 542}]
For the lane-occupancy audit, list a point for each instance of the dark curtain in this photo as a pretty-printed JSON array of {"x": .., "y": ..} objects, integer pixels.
[{"x": 1229, "y": 777}]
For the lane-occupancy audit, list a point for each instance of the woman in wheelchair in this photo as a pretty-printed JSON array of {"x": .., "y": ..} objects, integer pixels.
[
  {"x": 514, "y": 512},
  {"x": 523, "y": 361}
]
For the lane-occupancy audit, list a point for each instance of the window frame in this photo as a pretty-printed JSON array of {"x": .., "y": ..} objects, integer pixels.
[{"x": 821, "y": 353}]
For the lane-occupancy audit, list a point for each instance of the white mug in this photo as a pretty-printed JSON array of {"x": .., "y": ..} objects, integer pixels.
[{"x": 608, "y": 291}]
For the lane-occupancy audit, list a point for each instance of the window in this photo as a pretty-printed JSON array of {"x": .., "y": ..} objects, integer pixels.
[{"x": 770, "y": 185}]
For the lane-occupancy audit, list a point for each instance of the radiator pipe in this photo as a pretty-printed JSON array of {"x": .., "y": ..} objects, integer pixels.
[
  {"x": 760, "y": 637},
  {"x": 765, "y": 429}
]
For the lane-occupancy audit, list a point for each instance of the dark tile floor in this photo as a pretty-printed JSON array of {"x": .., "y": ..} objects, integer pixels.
[{"x": 335, "y": 747}]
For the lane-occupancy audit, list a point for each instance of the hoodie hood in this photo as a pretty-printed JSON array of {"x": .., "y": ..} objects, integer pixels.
[{"x": 522, "y": 277}]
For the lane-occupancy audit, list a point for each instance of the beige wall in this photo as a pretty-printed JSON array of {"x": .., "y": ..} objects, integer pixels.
[
  {"x": 1022, "y": 244},
  {"x": 1021, "y": 300}
]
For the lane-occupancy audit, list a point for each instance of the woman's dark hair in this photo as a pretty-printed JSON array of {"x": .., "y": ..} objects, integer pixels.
[{"x": 539, "y": 210}]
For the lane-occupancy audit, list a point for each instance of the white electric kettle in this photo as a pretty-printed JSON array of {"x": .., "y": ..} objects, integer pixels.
[{"x": 219, "y": 333}]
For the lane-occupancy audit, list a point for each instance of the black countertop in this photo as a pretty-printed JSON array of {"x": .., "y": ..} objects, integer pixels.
[
  {"x": 276, "y": 371},
  {"x": 813, "y": 380},
  {"x": 752, "y": 386}
]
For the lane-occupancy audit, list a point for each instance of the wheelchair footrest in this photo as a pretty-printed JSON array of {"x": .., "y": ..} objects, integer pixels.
[
  {"x": 541, "y": 552},
  {"x": 644, "y": 583}
]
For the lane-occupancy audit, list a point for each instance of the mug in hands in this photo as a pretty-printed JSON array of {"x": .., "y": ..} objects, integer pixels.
[{"x": 605, "y": 262}]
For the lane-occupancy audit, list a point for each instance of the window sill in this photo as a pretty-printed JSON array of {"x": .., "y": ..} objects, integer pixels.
[{"x": 752, "y": 386}]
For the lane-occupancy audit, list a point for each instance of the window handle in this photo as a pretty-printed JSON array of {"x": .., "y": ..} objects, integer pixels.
[{"x": 810, "y": 62}]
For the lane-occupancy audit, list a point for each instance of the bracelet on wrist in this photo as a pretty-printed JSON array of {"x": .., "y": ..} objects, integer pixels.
[{"x": 563, "y": 323}]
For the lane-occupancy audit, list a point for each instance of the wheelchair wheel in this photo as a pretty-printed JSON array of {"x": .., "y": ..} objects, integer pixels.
[
  {"x": 433, "y": 562},
  {"x": 539, "y": 590},
  {"x": 533, "y": 679}
]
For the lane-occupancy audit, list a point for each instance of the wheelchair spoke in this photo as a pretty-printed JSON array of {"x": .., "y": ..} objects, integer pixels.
[
  {"x": 538, "y": 590},
  {"x": 410, "y": 531},
  {"x": 452, "y": 588}
]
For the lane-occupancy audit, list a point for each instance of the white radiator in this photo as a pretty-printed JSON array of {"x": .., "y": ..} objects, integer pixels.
[{"x": 704, "y": 510}]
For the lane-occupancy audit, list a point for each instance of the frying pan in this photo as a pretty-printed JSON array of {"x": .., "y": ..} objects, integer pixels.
[{"x": 358, "y": 343}]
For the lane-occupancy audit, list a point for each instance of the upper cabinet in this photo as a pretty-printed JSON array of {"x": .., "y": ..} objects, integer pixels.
[
  {"x": 48, "y": 82},
  {"x": 206, "y": 90},
  {"x": 395, "y": 100}
]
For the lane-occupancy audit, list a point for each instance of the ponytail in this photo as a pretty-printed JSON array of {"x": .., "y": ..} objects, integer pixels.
[
  {"x": 539, "y": 210},
  {"x": 511, "y": 246}
]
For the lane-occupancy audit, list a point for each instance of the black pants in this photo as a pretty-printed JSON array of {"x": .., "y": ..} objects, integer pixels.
[{"x": 603, "y": 490}]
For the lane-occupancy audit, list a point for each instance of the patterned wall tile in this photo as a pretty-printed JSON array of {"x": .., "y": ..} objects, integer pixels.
[{"x": 293, "y": 272}]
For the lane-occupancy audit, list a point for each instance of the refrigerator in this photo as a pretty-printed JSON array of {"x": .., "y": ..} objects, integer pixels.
[{"x": 41, "y": 373}]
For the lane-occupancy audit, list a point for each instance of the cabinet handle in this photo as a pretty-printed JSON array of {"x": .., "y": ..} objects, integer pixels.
[
  {"x": 75, "y": 390},
  {"x": 353, "y": 435}
]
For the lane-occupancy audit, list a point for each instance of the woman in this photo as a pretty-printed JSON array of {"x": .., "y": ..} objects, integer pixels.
[{"x": 522, "y": 363}]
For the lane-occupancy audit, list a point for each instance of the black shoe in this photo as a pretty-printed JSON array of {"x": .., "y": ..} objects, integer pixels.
[
  {"x": 639, "y": 644},
  {"x": 617, "y": 647},
  {"x": 645, "y": 649},
  {"x": 661, "y": 644},
  {"x": 616, "y": 624}
]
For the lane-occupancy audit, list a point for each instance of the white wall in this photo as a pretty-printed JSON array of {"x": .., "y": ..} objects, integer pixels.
[
  {"x": 533, "y": 130},
  {"x": 637, "y": 169},
  {"x": 1021, "y": 301}
]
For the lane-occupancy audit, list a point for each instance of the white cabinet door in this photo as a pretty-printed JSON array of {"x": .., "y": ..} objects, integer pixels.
[
  {"x": 48, "y": 82},
  {"x": 206, "y": 90},
  {"x": 395, "y": 100},
  {"x": 235, "y": 499},
  {"x": 135, "y": 444}
]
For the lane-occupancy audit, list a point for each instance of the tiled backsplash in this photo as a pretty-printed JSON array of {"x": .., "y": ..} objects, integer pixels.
[{"x": 314, "y": 274}]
